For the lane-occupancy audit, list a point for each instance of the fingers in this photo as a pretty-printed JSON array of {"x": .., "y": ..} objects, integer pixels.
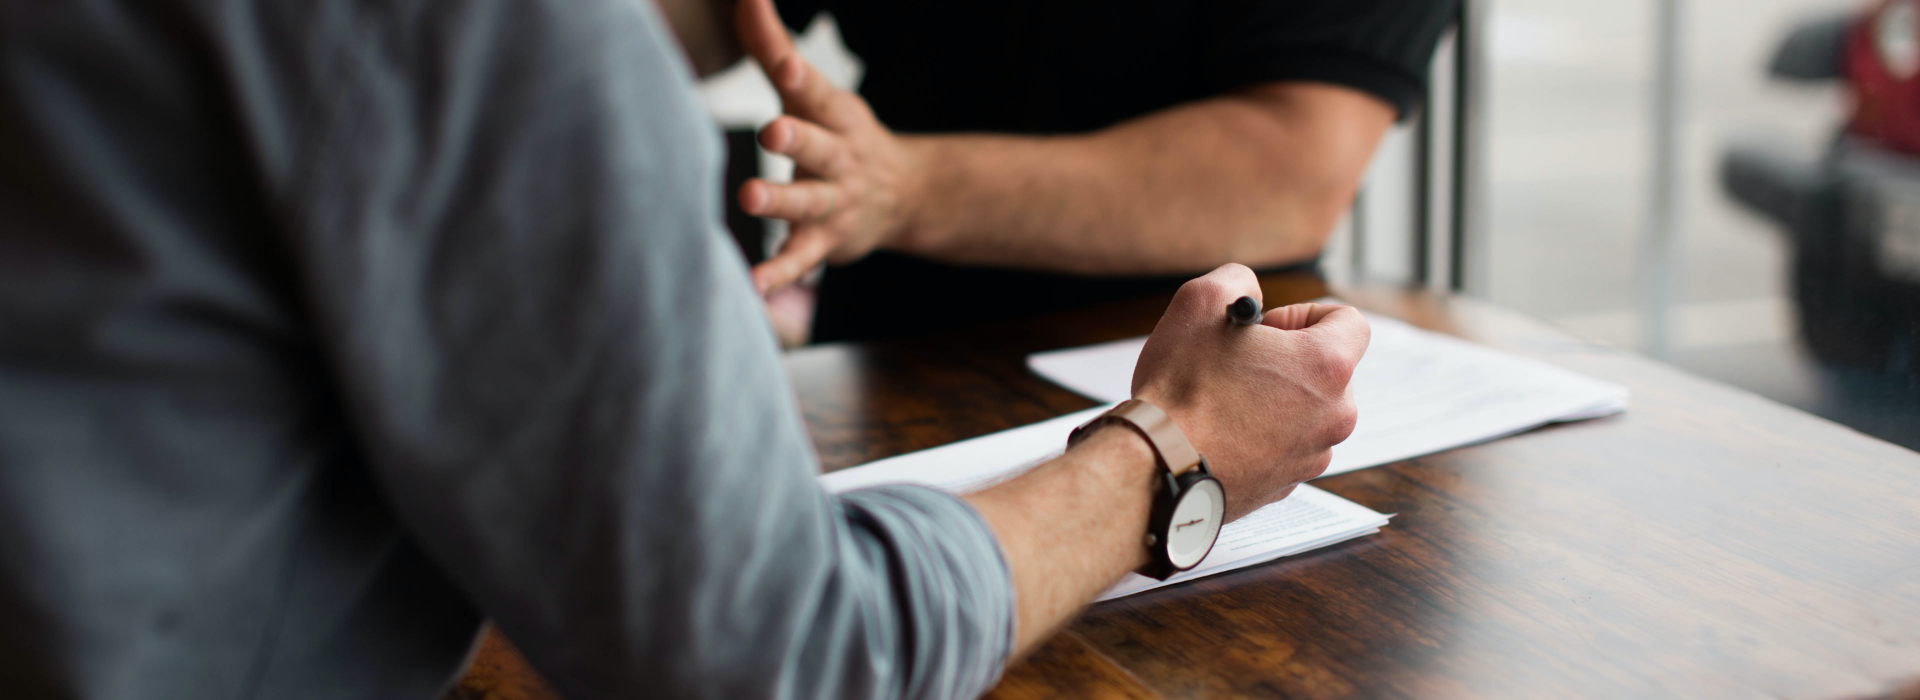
[
  {"x": 1236, "y": 280},
  {"x": 804, "y": 251},
  {"x": 790, "y": 308},
  {"x": 1295, "y": 317},
  {"x": 1344, "y": 326},
  {"x": 812, "y": 148},
  {"x": 802, "y": 201},
  {"x": 1208, "y": 295},
  {"x": 761, "y": 33},
  {"x": 1346, "y": 417},
  {"x": 803, "y": 91},
  {"x": 1342, "y": 330},
  {"x": 1337, "y": 335}
]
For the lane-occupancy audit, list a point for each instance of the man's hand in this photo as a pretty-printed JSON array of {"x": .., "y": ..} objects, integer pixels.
[
  {"x": 853, "y": 180},
  {"x": 1265, "y": 403}
]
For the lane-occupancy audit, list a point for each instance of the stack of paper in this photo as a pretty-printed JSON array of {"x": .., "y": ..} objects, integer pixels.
[
  {"x": 1418, "y": 392},
  {"x": 1308, "y": 519}
]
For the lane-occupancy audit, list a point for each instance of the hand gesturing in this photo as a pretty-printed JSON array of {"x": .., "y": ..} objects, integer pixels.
[{"x": 853, "y": 182}]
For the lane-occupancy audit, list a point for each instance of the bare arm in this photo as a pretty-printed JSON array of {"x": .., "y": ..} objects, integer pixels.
[
  {"x": 1258, "y": 176},
  {"x": 1070, "y": 528}
]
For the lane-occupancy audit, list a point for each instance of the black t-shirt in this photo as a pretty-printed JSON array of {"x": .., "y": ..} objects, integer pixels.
[{"x": 1064, "y": 66}]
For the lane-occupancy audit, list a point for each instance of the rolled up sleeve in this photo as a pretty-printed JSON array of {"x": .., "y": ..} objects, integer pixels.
[{"x": 505, "y": 220}]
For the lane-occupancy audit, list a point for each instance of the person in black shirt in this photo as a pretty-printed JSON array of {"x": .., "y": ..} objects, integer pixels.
[{"x": 1007, "y": 157}]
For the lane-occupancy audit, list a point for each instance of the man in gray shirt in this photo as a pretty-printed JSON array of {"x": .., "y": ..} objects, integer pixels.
[{"x": 328, "y": 329}]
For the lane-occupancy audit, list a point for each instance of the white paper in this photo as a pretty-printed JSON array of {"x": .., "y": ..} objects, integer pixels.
[
  {"x": 1418, "y": 392},
  {"x": 968, "y": 465},
  {"x": 1309, "y": 519}
]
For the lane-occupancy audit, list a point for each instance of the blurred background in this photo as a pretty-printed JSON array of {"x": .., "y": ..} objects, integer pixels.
[
  {"x": 1569, "y": 148},
  {"x": 1595, "y": 139}
]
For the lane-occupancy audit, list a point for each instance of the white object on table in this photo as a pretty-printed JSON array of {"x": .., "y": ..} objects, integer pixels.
[
  {"x": 1418, "y": 392},
  {"x": 1309, "y": 519}
]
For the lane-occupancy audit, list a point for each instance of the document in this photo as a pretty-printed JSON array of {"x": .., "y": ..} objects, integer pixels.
[
  {"x": 1308, "y": 519},
  {"x": 1418, "y": 392}
]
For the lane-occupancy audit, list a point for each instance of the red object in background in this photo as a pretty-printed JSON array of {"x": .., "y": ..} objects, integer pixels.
[{"x": 1882, "y": 65}]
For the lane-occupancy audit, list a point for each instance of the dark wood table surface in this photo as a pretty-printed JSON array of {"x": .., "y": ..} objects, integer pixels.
[{"x": 1705, "y": 544}]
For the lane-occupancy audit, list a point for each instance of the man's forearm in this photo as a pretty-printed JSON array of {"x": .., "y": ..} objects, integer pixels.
[
  {"x": 1071, "y": 527},
  {"x": 1258, "y": 177}
]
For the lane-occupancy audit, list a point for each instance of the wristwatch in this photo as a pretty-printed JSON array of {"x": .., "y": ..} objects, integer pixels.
[{"x": 1189, "y": 505}]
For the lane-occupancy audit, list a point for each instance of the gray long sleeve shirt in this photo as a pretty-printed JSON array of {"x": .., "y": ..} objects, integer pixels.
[{"x": 327, "y": 328}]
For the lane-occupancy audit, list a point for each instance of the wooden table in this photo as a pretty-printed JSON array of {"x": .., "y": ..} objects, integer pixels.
[{"x": 1707, "y": 543}]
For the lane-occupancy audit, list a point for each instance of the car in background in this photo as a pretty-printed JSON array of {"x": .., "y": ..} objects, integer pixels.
[{"x": 1852, "y": 213}]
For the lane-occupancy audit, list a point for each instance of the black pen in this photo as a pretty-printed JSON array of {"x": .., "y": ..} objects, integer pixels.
[{"x": 1244, "y": 311}]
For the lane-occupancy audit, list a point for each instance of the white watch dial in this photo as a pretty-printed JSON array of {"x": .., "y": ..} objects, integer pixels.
[{"x": 1196, "y": 521}]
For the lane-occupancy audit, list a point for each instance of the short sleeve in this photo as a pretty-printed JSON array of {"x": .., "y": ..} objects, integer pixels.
[{"x": 1381, "y": 47}]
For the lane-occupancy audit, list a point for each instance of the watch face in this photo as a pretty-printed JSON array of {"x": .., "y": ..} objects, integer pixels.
[{"x": 1196, "y": 522}]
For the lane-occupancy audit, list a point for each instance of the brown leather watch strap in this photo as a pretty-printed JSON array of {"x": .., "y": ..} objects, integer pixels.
[{"x": 1169, "y": 445}]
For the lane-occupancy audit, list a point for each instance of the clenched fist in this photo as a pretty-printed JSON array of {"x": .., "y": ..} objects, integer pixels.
[{"x": 1266, "y": 403}]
